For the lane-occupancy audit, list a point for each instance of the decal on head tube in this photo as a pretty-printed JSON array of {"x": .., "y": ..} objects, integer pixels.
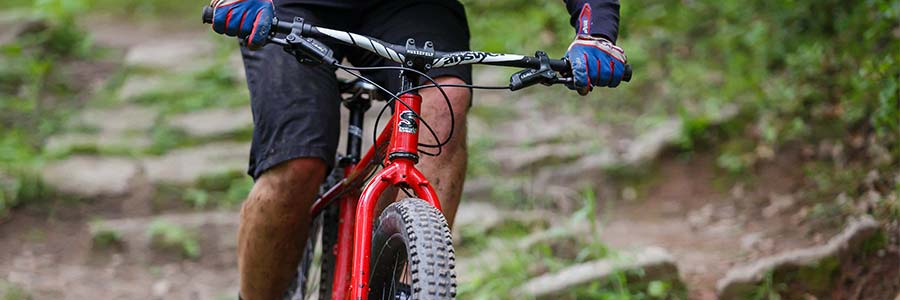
[{"x": 408, "y": 122}]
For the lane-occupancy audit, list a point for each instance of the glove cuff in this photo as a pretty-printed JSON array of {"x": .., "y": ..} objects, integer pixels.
[
  {"x": 601, "y": 43},
  {"x": 586, "y": 37}
]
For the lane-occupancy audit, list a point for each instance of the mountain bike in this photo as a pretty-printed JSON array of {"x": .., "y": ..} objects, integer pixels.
[{"x": 407, "y": 252}]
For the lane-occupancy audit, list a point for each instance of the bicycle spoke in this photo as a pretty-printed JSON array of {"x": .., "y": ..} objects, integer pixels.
[{"x": 393, "y": 290}]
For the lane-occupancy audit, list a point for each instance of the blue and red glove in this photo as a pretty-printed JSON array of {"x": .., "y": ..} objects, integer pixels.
[
  {"x": 595, "y": 60},
  {"x": 247, "y": 19}
]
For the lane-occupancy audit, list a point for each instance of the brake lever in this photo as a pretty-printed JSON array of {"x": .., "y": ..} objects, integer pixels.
[
  {"x": 306, "y": 50},
  {"x": 561, "y": 80},
  {"x": 543, "y": 75}
]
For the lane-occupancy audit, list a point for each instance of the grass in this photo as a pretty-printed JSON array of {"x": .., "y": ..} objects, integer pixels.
[
  {"x": 103, "y": 236},
  {"x": 223, "y": 190},
  {"x": 503, "y": 276},
  {"x": 35, "y": 78},
  {"x": 21, "y": 186},
  {"x": 169, "y": 237},
  {"x": 216, "y": 85},
  {"x": 12, "y": 291}
]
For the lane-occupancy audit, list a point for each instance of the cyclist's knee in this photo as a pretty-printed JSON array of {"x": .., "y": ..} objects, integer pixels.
[
  {"x": 437, "y": 113},
  {"x": 295, "y": 171},
  {"x": 288, "y": 182},
  {"x": 460, "y": 97}
]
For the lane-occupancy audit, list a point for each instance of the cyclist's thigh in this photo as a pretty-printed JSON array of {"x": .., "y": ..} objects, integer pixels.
[
  {"x": 441, "y": 21},
  {"x": 296, "y": 108}
]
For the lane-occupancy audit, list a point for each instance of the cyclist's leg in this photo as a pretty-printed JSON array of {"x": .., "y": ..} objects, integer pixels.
[
  {"x": 274, "y": 225},
  {"x": 296, "y": 125},
  {"x": 446, "y": 172},
  {"x": 444, "y": 23}
]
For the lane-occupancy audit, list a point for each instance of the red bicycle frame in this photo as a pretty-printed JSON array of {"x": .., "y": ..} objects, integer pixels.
[{"x": 397, "y": 148}]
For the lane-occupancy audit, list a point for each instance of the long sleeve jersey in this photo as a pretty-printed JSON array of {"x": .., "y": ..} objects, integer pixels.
[{"x": 595, "y": 17}]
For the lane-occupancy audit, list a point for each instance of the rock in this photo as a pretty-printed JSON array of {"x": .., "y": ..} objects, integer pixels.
[
  {"x": 647, "y": 146},
  {"x": 480, "y": 215},
  {"x": 213, "y": 122},
  {"x": 123, "y": 119},
  {"x": 184, "y": 166},
  {"x": 656, "y": 263},
  {"x": 741, "y": 280},
  {"x": 778, "y": 204},
  {"x": 161, "y": 288},
  {"x": 171, "y": 54},
  {"x": 13, "y": 23},
  {"x": 515, "y": 159},
  {"x": 121, "y": 128},
  {"x": 542, "y": 128},
  {"x": 483, "y": 217},
  {"x": 101, "y": 141},
  {"x": 587, "y": 170},
  {"x": 218, "y": 228},
  {"x": 750, "y": 240},
  {"x": 137, "y": 85},
  {"x": 486, "y": 261},
  {"x": 701, "y": 217},
  {"x": 478, "y": 189},
  {"x": 89, "y": 177}
]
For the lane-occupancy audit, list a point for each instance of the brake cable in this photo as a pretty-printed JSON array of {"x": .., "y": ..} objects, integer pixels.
[{"x": 396, "y": 98}]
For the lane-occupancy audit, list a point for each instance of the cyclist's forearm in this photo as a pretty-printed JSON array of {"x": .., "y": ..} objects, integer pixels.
[{"x": 604, "y": 16}]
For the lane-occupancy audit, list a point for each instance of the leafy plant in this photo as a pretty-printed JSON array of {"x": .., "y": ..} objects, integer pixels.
[
  {"x": 224, "y": 190},
  {"x": 32, "y": 79},
  {"x": 11, "y": 291},
  {"x": 768, "y": 290},
  {"x": 103, "y": 236},
  {"x": 20, "y": 187},
  {"x": 171, "y": 237}
]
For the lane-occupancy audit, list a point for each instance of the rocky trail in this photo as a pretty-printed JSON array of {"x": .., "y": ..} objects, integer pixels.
[{"x": 683, "y": 218}]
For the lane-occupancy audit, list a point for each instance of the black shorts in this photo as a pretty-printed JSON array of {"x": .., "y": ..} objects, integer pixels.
[{"x": 296, "y": 107}]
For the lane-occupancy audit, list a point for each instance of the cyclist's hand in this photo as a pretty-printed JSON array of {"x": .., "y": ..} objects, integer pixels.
[
  {"x": 595, "y": 62},
  {"x": 246, "y": 19}
]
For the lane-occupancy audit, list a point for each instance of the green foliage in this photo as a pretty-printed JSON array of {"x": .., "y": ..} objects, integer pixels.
[
  {"x": 799, "y": 70},
  {"x": 34, "y": 78},
  {"x": 18, "y": 187},
  {"x": 588, "y": 211},
  {"x": 11, "y": 291},
  {"x": 659, "y": 289},
  {"x": 538, "y": 25},
  {"x": 480, "y": 163},
  {"x": 213, "y": 86},
  {"x": 618, "y": 286},
  {"x": 150, "y": 9},
  {"x": 515, "y": 265},
  {"x": 224, "y": 190},
  {"x": 103, "y": 236},
  {"x": 768, "y": 290},
  {"x": 171, "y": 237},
  {"x": 166, "y": 138}
]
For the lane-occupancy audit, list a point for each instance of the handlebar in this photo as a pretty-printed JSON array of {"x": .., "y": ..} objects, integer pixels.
[{"x": 398, "y": 53}]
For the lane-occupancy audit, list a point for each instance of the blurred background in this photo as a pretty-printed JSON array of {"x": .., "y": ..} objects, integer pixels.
[{"x": 755, "y": 155}]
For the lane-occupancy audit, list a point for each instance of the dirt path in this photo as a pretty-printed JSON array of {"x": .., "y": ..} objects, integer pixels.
[
  {"x": 52, "y": 258},
  {"x": 709, "y": 229}
]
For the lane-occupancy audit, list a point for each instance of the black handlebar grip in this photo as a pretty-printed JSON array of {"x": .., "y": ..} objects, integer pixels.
[
  {"x": 627, "y": 75},
  {"x": 208, "y": 15},
  {"x": 560, "y": 65}
]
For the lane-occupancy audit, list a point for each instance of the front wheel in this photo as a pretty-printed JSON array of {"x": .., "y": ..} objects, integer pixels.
[{"x": 412, "y": 254}]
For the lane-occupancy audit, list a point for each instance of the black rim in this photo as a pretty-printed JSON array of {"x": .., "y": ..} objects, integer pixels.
[{"x": 390, "y": 270}]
